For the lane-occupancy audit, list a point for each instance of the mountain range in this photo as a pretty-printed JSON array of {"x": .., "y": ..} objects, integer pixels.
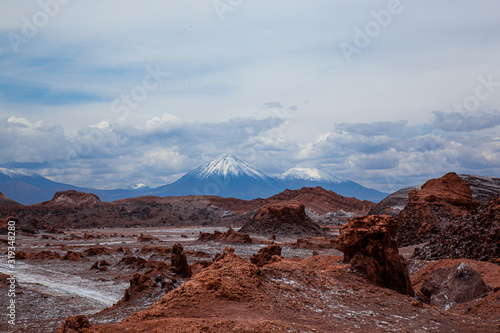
[{"x": 225, "y": 176}]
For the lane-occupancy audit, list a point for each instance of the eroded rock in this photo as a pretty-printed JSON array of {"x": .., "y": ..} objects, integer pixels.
[
  {"x": 266, "y": 255},
  {"x": 76, "y": 324},
  {"x": 179, "y": 262},
  {"x": 369, "y": 245}
]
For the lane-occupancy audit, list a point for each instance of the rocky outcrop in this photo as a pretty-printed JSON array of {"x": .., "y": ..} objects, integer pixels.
[
  {"x": 76, "y": 324},
  {"x": 139, "y": 285},
  {"x": 431, "y": 208},
  {"x": 179, "y": 262},
  {"x": 230, "y": 236},
  {"x": 369, "y": 245},
  {"x": 448, "y": 286},
  {"x": 96, "y": 251},
  {"x": 474, "y": 236},
  {"x": 73, "y": 198},
  {"x": 283, "y": 219},
  {"x": 73, "y": 256},
  {"x": 266, "y": 255}
]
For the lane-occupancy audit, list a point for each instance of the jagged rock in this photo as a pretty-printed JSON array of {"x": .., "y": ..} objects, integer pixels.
[
  {"x": 285, "y": 219},
  {"x": 179, "y": 261},
  {"x": 474, "y": 236},
  {"x": 46, "y": 255},
  {"x": 132, "y": 262},
  {"x": 446, "y": 287},
  {"x": 431, "y": 208},
  {"x": 73, "y": 256},
  {"x": 230, "y": 236},
  {"x": 266, "y": 255},
  {"x": 369, "y": 245},
  {"x": 227, "y": 250},
  {"x": 96, "y": 251},
  {"x": 139, "y": 284},
  {"x": 76, "y": 324}
]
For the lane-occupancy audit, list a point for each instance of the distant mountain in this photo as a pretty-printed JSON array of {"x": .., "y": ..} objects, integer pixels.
[
  {"x": 28, "y": 188},
  {"x": 297, "y": 178},
  {"x": 226, "y": 176}
]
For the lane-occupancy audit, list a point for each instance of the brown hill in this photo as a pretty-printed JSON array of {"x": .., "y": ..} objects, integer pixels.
[
  {"x": 4, "y": 201},
  {"x": 318, "y": 199},
  {"x": 429, "y": 209}
]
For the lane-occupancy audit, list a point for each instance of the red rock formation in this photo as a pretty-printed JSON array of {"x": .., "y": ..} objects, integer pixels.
[
  {"x": 179, "y": 261},
  {"x": 139, "y": 284},
  {"x": 46, "y": 255},
  {"x": 318, "y": 199},
  {"x": 76, "y": 324},
  {"x": 284, "y": 219},
  {"x": 369, "y": 245},
  {"x": 266, "y": 255},
  {"x": 448, "y": 286},
  {"x": 474, "y": 236},
  {"x": 96, "y": 251},
  {"x": 230, "y": 236},
  {"x": 432, "y": 207},
  {"x": 73, "y": 256},
  {"x": 73, "y": 198}
]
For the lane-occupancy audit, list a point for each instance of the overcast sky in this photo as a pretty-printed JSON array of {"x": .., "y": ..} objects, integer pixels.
[{"x": 385, "y": 93}]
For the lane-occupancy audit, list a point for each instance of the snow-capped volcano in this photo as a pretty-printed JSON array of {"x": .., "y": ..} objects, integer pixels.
[
  {"x": 227, "y": 165},
  {"x": 225, "y": 176},
  {"x": 297, "y": 178},
  {"x": 310, "y": 174}
]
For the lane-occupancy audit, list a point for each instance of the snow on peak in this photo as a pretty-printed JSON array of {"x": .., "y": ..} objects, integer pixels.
[
  {"x": 311, "y": 174},
  {"x": 227, "y": 165},
  {"x": 16, "y": 173},
  {"x": 139, "y": 186}
]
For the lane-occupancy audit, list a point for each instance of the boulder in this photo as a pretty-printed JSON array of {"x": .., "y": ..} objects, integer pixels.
[
  {"x": 446, "y": 287},
  {"x": 369, "y": 245},
  {"x": 179, "y": 262},
  {"x": 286, "y": 218},
  {"x": 76, "y": 324},
  {"x": 73, "y": 256},
  {"x": 266, "y": 255}
]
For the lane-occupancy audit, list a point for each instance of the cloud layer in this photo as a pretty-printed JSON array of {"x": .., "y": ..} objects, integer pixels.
[{"x": 108, "y": 94}]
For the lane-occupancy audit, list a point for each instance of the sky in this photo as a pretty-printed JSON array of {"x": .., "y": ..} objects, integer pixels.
[{"x": 385, "y": 93}]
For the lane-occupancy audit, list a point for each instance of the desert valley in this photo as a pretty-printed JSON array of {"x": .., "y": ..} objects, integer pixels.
[{"x": 424, "y": 259}]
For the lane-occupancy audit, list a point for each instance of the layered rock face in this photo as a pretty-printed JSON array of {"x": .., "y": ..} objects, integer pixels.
[
  {"x": 429, "y": 209},
  {"x": 284, "y": 219},
  {"x": 369, "y": 245},
  {"x": 475, "y": 236}
]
